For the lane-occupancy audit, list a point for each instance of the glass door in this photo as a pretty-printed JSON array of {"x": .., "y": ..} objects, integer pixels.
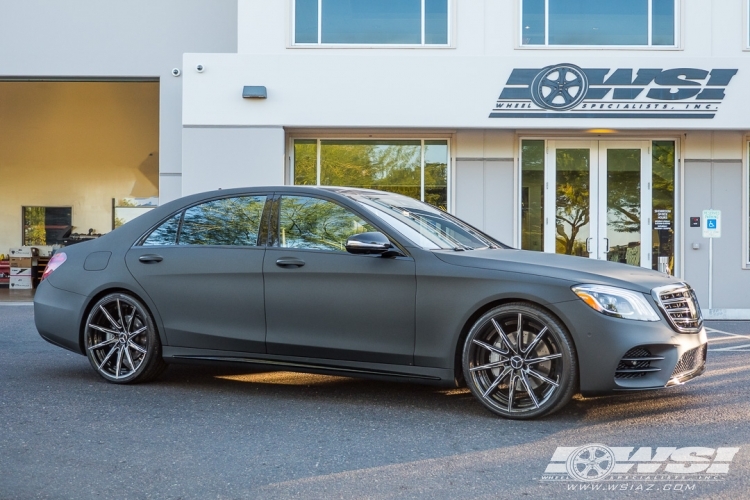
[
  {"x": 597, "y": 200},
  {"x": 625, "y": 202},
  {"x": 572, "y": 176}
]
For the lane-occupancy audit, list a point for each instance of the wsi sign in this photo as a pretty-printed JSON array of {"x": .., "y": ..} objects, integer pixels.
[
  {"x": 567, "y": 91},
  {"x": 597, "y": 462}
]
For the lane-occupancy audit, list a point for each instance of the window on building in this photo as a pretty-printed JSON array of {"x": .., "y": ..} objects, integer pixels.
[
  {"x": 662, "y": 195},
  {"x": 532, "y": 195},
  {"x": 599, "y": 22},
  {"x": 46, "y": 225},
  {"x": 416, "y": 168},
  {"x": 375, "y": 22}
]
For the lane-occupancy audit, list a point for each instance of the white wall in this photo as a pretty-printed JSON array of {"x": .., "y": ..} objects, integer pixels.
[
  {"x": 485, "y": 194},
  {"x": 230, "y": 157},
  {"x": 315, "y": 89}
]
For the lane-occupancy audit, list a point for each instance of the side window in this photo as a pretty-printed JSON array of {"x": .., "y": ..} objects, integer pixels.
[
  {"x": 166, "y": 233},
  {"x": 229, "y": 221},
  {"x": 317, "y": 224}
]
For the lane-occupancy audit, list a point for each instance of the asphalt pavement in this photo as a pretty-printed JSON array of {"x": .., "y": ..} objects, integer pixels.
[{"x": 224, "y": 433}]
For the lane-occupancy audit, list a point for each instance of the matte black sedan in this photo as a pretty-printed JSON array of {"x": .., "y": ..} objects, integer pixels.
[{"x": 365, "y": 283}]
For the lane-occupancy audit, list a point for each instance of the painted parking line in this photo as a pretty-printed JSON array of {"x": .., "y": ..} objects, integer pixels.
[
  {"x": 728, "y": 334},
  {"x": 736, "y": 348},
  {"x": 722, "y": 336}
]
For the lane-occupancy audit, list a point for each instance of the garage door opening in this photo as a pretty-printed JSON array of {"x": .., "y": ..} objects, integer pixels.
[{"x": 77, "y": 159}]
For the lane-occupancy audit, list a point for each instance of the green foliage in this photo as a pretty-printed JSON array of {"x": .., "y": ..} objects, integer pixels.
[
  {"x": 34, "y": 231},
  {"x": 229, "y": 221},
  {"x": 393, "y": 166},
  {"x": 315, "y": 223}
]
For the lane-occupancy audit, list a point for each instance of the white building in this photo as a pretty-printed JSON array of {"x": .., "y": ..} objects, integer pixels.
[{"x": 598, "y": 128}]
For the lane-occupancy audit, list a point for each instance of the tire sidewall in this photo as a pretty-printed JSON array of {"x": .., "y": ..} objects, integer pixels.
[{"x": 569, "y": 378}]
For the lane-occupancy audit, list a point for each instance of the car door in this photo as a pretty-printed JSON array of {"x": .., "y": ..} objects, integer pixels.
[
  {"x": 323, "y": 302},
  {"x": 203, "y": 269}
]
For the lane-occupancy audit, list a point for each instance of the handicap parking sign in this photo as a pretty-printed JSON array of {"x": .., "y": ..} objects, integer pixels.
[{"x": 712, "y": 223}]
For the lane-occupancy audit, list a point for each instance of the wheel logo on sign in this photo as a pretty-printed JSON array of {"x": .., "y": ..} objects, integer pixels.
[
  {"x": 559, "y": 87},
  {"x": 592, "y": 462}
]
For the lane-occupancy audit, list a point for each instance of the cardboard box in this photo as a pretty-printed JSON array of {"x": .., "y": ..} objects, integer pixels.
[
  {"x": 23, "y": 261},
  {"x": 20, "y": 271},
  {"x": 20, "y": 283},
  {"x": 20, "y": 252}
]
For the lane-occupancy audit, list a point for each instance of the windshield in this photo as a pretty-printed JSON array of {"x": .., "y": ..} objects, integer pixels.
[{"x": 423, "y": 224}]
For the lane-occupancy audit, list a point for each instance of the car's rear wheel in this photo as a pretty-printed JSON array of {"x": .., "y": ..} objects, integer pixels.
[
  {"x": 520, "y": 362},
  {"x": 121, "y": 340}
]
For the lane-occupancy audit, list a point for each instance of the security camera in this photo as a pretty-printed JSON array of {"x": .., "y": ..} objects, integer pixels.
[
  {"x": 199, "y": 68},
  {"x": 175, "y": 71}
]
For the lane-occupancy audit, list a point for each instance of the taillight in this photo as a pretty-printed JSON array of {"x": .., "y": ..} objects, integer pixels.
[{"x": 55, "y": 262}]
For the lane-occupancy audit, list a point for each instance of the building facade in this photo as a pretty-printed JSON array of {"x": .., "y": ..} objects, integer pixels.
[{"x": 600, "y": 129}]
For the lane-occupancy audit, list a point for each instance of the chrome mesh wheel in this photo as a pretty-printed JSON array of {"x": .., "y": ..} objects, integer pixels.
[{"x": 518, "y": 362}]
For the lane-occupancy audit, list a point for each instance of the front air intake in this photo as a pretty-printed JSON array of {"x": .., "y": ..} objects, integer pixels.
[
  {"x": 691, "y": 361},
  {"x": 637, "y": 363}
]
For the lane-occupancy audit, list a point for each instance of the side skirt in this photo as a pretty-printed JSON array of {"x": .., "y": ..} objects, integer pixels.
[{"x": 377, "y": 371}]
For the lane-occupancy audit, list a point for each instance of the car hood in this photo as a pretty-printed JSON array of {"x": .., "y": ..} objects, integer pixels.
[{"x": 576, "y": 270}]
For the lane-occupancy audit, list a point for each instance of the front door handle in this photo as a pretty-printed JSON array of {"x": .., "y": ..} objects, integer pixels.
[
  {"x": 149, "y": 258},
  {"x": 290, "y": 262}
]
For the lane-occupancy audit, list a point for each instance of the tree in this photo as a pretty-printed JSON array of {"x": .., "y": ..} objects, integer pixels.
[{"x": 572, "y": 199}]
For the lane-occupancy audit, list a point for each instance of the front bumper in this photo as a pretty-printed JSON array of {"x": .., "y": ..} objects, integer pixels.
[{"x": 619, "y": 355}]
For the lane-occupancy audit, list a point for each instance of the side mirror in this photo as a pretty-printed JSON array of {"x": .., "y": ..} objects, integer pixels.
[{"x": 368, "y": 243}]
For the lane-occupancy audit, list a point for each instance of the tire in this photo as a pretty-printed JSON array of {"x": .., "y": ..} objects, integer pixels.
[
  {"x": 525, "y": 380},
  {"x": 121, "y": 340}
]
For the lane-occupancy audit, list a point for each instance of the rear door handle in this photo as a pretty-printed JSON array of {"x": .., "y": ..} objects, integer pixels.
[
  {"x": 149, "y": 258},
  {"x": 290, "y": 262}
]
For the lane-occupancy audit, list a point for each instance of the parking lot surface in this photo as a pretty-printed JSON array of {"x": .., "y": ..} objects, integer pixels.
[{"x": 227, "y": 433}]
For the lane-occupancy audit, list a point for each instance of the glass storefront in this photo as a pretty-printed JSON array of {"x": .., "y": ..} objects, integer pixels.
[
  {"x": 593, "y": 196},
  {"x": 416, "y": 168}
]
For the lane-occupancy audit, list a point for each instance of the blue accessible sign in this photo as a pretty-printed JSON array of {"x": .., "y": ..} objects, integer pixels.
[{"x": 712, "y": 223}]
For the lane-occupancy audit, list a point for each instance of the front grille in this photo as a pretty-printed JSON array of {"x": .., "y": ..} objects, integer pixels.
[
  {"x": 680, "y": 305},
  {"x": 690, "y": 361},
  {"x": 636, "y": 363}
]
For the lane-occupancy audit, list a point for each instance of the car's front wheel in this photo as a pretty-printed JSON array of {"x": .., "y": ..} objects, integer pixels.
[
  {"x": 121, "y": 340},
  {"x": 520, "y": 362}
]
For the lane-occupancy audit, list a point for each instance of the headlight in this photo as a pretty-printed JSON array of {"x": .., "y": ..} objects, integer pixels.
[{"x": 616, "y": 302}]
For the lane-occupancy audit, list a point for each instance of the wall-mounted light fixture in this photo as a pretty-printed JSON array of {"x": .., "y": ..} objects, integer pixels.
[{"x": 254, "y": 92}]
